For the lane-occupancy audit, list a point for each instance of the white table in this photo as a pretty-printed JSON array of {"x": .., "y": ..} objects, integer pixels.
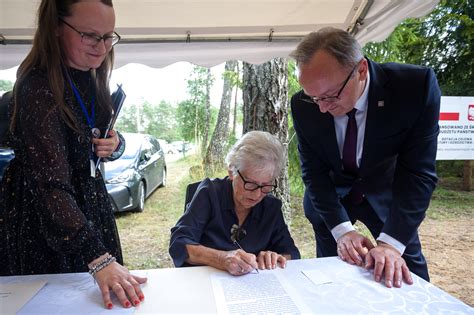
[{"x": 189, "y": 290}]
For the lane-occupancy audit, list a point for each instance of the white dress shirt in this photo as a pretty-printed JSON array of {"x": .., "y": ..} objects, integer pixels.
[{"x": 340, "y": 123}]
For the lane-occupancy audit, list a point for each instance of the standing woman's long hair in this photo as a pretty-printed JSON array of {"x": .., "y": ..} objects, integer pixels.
[{"x": 47, "y": 54}]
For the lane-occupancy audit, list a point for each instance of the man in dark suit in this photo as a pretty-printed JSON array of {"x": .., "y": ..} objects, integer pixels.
[{"x": 367, "y": 137}]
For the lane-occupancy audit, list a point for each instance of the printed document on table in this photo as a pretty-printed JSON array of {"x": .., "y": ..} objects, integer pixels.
[
  {"x": 14, "y": 296},
  {"x": 264, "y": 292}
]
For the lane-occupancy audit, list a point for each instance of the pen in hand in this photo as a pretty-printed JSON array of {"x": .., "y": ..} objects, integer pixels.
[{"x": 237, "y": 243}]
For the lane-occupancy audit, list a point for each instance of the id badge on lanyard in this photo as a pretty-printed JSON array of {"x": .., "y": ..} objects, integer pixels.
[{"x": 95, "y": 132}]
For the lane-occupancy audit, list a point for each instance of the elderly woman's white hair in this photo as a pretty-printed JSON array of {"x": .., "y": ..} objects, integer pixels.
[{"x": 259, "y": 150}]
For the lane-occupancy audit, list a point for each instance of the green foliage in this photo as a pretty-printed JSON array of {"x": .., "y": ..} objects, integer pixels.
[
  {"x": 186, "y": 120},
  {"x": 234, "y": 77},
  {"x": 197, "y": 83},
  {"x": 450, "y": 168},
  {"x": 442, "y": 40},
  {"x": 156, "y": 120},
  {"x": 6, "y": 85},
  {"x": 186, "y": 115},
  {"x": 191, "y": 113},
  {"x": 449, "y": 201},
  {"x": 293, "y": 84},
  {"x": 294, "y": 169},
  {"x": 127, "y": 119}
]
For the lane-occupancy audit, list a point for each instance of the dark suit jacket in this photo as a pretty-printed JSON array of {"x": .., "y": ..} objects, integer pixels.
[{"x": 397, "y": 171}]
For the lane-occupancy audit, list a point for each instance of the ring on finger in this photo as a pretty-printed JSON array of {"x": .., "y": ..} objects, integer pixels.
[{"x": 117, "y": 284}]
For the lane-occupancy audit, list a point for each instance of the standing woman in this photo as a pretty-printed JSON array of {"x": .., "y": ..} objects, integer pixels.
[{"x": 55, "y": 215}]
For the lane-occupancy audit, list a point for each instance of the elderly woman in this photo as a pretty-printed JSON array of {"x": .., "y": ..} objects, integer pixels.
[{"x": 234, "y": 223}]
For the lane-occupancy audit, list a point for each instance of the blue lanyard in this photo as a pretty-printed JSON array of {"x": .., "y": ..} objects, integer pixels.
[{"x": 90, "y": 119}]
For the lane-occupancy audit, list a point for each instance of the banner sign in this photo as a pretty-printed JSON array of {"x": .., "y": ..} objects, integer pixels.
[{"x": 456, "y": 123}]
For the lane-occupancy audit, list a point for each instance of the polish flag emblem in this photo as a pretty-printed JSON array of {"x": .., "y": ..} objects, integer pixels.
[
  {"x": 470, "y": 112},
  {"x": 449, "y": 116}
]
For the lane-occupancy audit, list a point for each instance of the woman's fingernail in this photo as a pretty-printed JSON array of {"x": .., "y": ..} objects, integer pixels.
[
  {"x": 141, "y": 297},
  {"x": 136, "y": 302},
  {"x": 127, "y": 304},
  {"x": 109, "y": 306}
]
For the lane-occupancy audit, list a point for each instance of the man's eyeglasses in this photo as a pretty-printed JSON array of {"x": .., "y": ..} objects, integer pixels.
[
  {"x": 251, "y": 186},
  {"x": 92, "y": 39},
  {"x": 331, "y": 99}
]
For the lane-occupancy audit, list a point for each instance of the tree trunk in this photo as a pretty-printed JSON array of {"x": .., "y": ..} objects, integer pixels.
[
  {"x": 207, "y": 111},
  {"x": 265, "y": 96},
  {"x": 467, "y": 176},
  {"x": 214, "y": 159},
  {"x": 234, "y": 124}
]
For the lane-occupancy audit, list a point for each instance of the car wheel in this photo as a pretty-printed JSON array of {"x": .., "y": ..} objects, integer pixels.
[
  {"x": 141, "y": 197},
  {"x": 163, "y": 181}
]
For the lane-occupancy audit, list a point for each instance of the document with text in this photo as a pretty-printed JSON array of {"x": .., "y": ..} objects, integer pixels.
[
  {"x": 264, "y": 292},
  {"x": 15, "y": 295}
]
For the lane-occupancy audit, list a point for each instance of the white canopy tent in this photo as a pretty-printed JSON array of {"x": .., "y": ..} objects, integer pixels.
[{"x": 208, "y": 32}]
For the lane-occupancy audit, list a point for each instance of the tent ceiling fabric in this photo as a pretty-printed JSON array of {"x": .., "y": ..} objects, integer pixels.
[{"x": 208, "y": 32}]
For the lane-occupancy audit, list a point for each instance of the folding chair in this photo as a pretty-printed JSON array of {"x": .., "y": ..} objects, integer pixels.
[{"x": 190, "y": 191}]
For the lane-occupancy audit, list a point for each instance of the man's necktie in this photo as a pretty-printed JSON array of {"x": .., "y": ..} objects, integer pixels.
[
  {"x": 349, "y": 152},
  {"x": 349, "y": 155}
]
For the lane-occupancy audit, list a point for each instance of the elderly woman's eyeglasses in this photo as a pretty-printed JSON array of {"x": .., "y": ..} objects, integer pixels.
[
  {"x": 92, "y": 39},
  {"x": 251, "y": 186},
  {"x": 330, "y": 99}
]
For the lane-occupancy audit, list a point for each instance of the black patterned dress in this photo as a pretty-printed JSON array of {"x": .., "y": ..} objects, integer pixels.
[{"x": 54, "y": 217}]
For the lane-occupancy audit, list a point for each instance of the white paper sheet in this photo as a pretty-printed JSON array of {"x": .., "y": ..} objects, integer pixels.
[
  {"x": 265, "y": 292},
  {"x": 317, "y": 277},
  {"x": 164, "y": 287},
  {"x": 14, "y": 296}
]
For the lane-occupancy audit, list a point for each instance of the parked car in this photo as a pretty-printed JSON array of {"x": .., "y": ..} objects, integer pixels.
[
  {"x": 131, "y": 178},
  {"x": 167, "y": 147},
  {"x": 181, "y": 145},
  {"x": 6, "y": 155},
  {"x": 136, "y": 174}
]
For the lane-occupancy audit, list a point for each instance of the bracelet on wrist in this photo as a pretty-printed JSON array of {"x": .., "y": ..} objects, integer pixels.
[{"x": 107, "y": 260}]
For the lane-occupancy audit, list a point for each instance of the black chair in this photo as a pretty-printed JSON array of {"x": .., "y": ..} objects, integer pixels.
[{"x": 190, "y": 191}]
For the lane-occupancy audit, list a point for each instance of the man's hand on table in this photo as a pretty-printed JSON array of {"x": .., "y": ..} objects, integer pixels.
[
  {"x": 352, "y": 248},
  {"x": 387, "y": 261}
]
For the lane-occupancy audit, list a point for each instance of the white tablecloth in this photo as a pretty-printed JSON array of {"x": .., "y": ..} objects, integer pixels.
[{"x": 185, "y": 290}]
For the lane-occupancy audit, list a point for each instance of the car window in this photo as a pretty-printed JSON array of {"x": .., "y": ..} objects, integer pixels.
[
  {"x": 146, "y": 148},
  {"x": 155, "y": 144},
  {"x": 152, "y": 147},
  {"x": 131, "y": 149}
]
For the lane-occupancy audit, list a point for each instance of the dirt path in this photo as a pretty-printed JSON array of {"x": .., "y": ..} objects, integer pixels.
[{"x": 449, "y": 249}]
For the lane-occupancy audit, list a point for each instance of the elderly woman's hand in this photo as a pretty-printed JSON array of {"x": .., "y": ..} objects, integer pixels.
[
  {"x": 105, "y": 147},
  {"x": 268, "y": 260},
  {"x": 239, "y": 262},
  {"x": 126, "y": 286}
]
